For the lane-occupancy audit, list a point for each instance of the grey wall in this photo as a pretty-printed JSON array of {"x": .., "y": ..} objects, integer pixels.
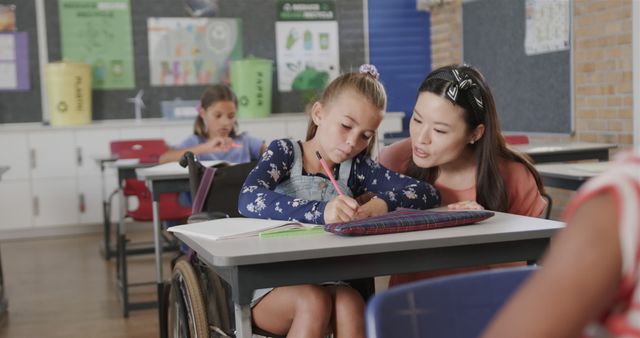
[
  {"x": 533, "y": 93},
  {"x": 258, "y": 27}
]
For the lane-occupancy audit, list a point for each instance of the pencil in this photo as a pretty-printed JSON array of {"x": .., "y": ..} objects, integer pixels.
[{"x": 329, "y": 174}]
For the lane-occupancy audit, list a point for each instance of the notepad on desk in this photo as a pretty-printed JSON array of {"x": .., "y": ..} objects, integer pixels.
[{"x": 238, "y": 227}]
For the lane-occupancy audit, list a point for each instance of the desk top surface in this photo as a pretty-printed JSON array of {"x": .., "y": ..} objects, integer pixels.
[
  {"x": 171, "y": 170},
  {"x": 253, "y": 250},
  {"x": 580, "y": 170}
]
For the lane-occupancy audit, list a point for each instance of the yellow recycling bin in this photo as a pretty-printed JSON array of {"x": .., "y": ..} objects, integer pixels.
[
  {"x": 68, "y": 93},
  {"x": 251, "y": 81}
]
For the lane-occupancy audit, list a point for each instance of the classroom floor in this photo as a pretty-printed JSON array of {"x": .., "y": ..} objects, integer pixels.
[{"x": 62, "y": 287}]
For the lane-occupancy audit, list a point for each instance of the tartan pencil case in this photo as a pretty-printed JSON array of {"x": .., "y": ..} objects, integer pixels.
[{"x": 404, "y": 220}]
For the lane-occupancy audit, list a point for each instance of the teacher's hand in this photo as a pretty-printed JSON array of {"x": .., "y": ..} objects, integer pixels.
[{"x": 465, "y": 205}]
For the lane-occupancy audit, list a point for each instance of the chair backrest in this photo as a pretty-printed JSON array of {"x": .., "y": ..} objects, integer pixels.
[
  {"x": 223, "y": 192},
  {"x": 146, "y": 150},
  {"x": 516, "y": 139},
  {"x": 457, "y": 306}
]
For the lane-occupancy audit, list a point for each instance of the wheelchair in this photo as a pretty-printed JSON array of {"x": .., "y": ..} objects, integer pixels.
[{"x": 197, "y": 299}]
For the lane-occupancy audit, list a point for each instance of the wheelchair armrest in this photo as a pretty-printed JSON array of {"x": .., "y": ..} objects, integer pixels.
[{"x": 206, "y": 216}]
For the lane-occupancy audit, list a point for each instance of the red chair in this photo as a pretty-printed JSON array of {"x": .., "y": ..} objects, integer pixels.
[
  {"x": 148, "y": 152},
  {"x": 516, "y": 139}
]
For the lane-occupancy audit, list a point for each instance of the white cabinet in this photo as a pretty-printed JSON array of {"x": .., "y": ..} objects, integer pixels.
[
  {"x": 142, "y": 133},
  {"x": 14, "y": 152},
  {"x": 53, "y": 154},
  {"x": 267, "y": 131},
  {"x": 15, "y": 203},
  {"x": 89, "y": 200},
  {"x": 55, "y": 202},
  {"x": 92, "y": 144}
]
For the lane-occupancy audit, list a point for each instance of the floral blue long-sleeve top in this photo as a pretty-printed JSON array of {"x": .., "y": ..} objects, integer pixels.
[{"x": 259, "y": 200}]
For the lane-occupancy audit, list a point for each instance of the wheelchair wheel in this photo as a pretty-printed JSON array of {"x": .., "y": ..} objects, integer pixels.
[{"x": 187, "y": 317}]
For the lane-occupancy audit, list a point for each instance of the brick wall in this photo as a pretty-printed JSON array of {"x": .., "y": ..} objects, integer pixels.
[{"x": 603, "y": 68}]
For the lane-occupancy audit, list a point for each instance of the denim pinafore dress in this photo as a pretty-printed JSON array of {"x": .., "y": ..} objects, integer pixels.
[{"x": 308, "y": 187}]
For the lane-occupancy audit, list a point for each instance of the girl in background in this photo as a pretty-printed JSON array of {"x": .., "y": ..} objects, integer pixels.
[{"x": 214, "y": 132}]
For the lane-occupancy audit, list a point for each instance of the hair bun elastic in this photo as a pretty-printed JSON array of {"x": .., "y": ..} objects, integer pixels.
[{"x": 370, "y": 69}]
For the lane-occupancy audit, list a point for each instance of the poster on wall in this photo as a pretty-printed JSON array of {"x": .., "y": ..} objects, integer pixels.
[
  {"x": 547, "y": 26},
  {"x": 192, "y": 51},
  {"x": 98, "y": 32},
  {"x": 14, "y": 61},
  {"x": 307, "y": 50}
]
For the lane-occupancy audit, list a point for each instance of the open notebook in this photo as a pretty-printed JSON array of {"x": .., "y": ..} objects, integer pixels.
[{"x": 238, "y": 227}]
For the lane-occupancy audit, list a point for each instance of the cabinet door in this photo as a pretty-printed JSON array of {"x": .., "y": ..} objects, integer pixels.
[
  {"x": 90, "y": 199},
  {"x": 56, "y": 201},
  {"x": 141, "y": 132},
  {"x": 53, "y": 154},
  {"x": 91, "y": 145},
  {"x": 15, "y": 204},
  {"x": 14, "y": 152},
  {"x": 174, "y": 135}
]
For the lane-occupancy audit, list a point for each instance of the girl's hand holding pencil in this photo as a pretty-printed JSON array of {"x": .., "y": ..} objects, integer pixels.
[{"x": 340, "y": 209}]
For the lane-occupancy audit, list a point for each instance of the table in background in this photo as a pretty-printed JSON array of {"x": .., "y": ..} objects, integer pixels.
[
  {"x": 555, "y": 151},
  {"x": 126, "y": 169},
  {"x": 4, "y": 304},
  {"x": 563, "y": 152},
  {"x": 160, "y": 179},
  {"x": 569, "y": 175},
  {"x": 105, "y": 247},
  {"x": 251, "y": 263}
]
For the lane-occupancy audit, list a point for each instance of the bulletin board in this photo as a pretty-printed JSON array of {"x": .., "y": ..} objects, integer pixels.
[
  {"x": 257, "y": 17},
  {"x": 532, "y": 92}
]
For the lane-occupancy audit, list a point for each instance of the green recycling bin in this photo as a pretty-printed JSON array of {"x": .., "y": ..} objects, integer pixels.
[{"x": 251, "y": 81}]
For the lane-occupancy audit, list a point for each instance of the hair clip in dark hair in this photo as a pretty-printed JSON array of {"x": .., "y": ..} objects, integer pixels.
[
  {"x": 461, "y": 81},
  {"x": 370, "y": 69}
]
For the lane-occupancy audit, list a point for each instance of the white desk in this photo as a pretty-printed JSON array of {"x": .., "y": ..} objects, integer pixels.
[
  {"x": 563, "y": 152},
  {"x": 569, "y": 175},
  {"x": 251, "y": 263}
]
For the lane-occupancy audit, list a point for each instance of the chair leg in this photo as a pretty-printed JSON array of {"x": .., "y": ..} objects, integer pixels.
[
  {"x": 122, "y": 269},
  {"x": 547, "y": 213}
]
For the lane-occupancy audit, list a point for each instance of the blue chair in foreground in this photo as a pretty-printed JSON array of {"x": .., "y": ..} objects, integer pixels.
[{"x": 457, "y": 306}]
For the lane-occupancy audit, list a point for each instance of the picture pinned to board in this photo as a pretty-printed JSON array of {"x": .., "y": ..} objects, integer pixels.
[
  {"x": 99, "y": 33},
  {"x": 192, "y": 51},
  {"x": 7, "y": 18},
  {"x": 306, "y": 45},
  {"x": 14, "y": 62}
]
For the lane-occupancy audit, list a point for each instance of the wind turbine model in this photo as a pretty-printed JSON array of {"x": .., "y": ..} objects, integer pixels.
[{"x": 138, "y": 105}]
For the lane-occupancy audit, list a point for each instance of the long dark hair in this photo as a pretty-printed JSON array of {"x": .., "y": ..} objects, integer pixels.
[
  {"x": 362, "y": 83},
  {"x": 489, "y": 149},
  {"x": 212, "y": 95}
]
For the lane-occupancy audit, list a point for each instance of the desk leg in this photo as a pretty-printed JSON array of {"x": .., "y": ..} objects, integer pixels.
[
  {"x": 243, "y": 320},
  {"x": 158, "y": 252},
  {"x": 106, "y": 221},
  {"x": 121, "y": 256}
]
